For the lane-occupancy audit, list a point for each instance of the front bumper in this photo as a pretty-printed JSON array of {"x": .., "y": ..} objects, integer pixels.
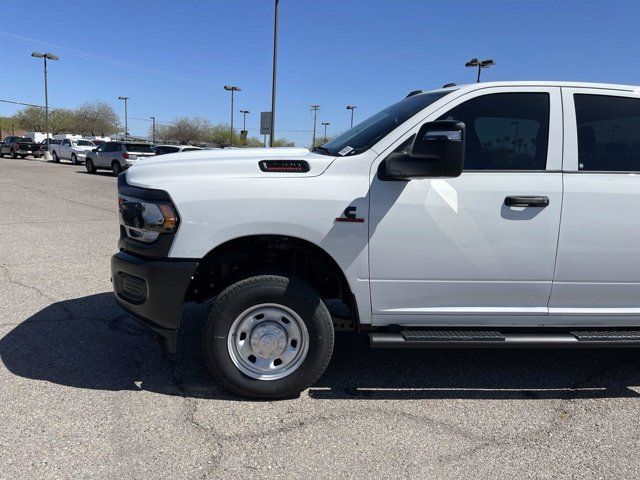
[{"x": 153, "y": 291}]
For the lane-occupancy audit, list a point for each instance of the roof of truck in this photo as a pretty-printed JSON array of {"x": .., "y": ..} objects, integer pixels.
[{"x": 538, "y": 83}]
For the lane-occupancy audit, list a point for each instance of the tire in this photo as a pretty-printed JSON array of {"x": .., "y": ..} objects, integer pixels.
[
  {"x": 116, "y": 168},
  {"x": 54, "y": 155},
  {"x": 13, "y": 154},
  {"x": 277, "y": 303},
  {"x": 74, "y": 159},
  {"x": 88, "y": 164},
  {"x": 1, "y": 155},
  {"x": 22, "y": 156}
]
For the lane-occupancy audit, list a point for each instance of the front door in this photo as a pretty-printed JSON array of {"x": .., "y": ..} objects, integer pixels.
[
  {"x": 99, "y": 154},
  {"x": 452, "y": 250}
]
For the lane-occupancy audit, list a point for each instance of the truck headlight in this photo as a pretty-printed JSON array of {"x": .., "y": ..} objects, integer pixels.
[{"x": 145, "y": 220}]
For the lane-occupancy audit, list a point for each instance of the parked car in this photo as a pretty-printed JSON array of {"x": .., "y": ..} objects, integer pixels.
[
  {"x": 488, "y": 215},
  {"x": 117, "y": 156},
  {"x": 19, "y": 147},
  {"x": 164, "y": 149},
  {"x": 74, "y": 150}
]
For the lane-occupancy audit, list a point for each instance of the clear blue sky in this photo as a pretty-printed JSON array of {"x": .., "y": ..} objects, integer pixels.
[{"x": 173, "y": 57}]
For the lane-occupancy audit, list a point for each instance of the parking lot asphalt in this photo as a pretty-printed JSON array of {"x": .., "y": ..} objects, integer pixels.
[{"x": 86, "y": 393}]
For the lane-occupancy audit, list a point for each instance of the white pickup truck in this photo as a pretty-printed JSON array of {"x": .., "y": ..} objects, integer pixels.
[
  {"x": 485, "y": 215},
  {"x": 71, "y": 149}
]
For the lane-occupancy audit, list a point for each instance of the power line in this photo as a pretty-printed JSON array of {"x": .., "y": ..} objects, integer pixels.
[
  {"x": 149, "y": 120},
  {"x": 21, "y": 103}
]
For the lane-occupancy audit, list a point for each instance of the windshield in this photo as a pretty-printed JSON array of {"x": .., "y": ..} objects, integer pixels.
[
  {"x": 85, "y": 143},
  {"x": 366, "y": 134}
]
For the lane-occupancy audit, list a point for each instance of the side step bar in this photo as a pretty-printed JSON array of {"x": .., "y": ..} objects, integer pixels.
[{"x": 496, "y": 339}]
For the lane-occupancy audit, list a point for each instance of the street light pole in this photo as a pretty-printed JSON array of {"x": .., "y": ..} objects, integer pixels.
[
  {"x": 244, "y": 119},
  {"x": 273, "y": 78},
  {"x": 45, "y": 57},
  {"x": 325, "y": 130},
  {"x": 352, "y": 108},
  {"x": 474, "y": 62},
  {"x": 315, "y": 109},
  {"x": 126, "y": 118},
  {"x": 231, "y": 88},
  {"x": 153, "y": 129}
]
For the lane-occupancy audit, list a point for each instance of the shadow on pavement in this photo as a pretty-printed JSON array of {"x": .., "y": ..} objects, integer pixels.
[{"x": 91, "y": 343}]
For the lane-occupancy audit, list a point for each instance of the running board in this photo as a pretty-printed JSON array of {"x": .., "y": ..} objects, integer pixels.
[{"x": 497, "y": 339}]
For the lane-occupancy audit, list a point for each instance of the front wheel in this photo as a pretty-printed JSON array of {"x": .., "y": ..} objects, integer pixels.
[
  {"x": 54, "y": 155},
  {"x": 74, "y": 159},
  {"x": 268, "y": 336},
  {"x": 14, "y": 155}
]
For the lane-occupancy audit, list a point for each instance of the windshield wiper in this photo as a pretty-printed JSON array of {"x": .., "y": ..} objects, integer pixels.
[{"x": 323, "y": 150}]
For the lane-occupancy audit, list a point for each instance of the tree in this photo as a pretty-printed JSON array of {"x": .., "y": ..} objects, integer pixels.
[
  {"x": 219, "y": 135},
  {"x": 189, "y": 130},
  {"x": 7, "y": 125},
  {"x": 283, "y": 142},
  {"x": 182, "y": 130},
  {"x": 61, "y": 120},
  {"x": 30, "y": 119},
  {"x": 97, "y": 118},
  {"x": 163, "y": 133}
]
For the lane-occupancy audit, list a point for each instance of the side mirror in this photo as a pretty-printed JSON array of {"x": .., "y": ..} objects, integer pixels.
[
  {"x": 94, "y": 149},
  {"x": 437, "y": 151}
]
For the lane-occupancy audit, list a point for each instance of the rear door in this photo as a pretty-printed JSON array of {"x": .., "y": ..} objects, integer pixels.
[
  {"x": 452, "y": 251},
  {"x": 598, "y": 265}
]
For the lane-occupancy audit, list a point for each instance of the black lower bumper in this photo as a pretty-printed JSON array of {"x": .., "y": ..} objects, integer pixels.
[{"x": 153, "y": 291}]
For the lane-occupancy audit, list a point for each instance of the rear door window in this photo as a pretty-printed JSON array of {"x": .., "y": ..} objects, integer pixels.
[
  {"x": 138, "y": 147},
  {"x": 608, "y": 133}
]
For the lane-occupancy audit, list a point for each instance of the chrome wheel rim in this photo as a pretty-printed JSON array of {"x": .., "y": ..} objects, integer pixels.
[{"x": 268, "y": 341}]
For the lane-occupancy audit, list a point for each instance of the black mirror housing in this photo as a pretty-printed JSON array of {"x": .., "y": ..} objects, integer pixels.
[{"x": 437, "y": 152}]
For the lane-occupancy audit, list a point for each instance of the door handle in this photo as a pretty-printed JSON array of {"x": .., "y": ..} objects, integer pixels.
[{"x": 526, "y": 201}]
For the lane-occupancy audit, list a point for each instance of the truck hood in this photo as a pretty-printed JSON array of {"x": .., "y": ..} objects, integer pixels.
[{"x": 224, "y": 163}]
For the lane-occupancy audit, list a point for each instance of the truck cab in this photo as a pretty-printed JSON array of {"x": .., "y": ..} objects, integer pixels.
[{"x": 495, "y": 215}]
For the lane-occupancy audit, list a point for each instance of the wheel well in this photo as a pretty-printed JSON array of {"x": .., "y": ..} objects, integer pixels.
[{"x": 256, "y": 254}]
